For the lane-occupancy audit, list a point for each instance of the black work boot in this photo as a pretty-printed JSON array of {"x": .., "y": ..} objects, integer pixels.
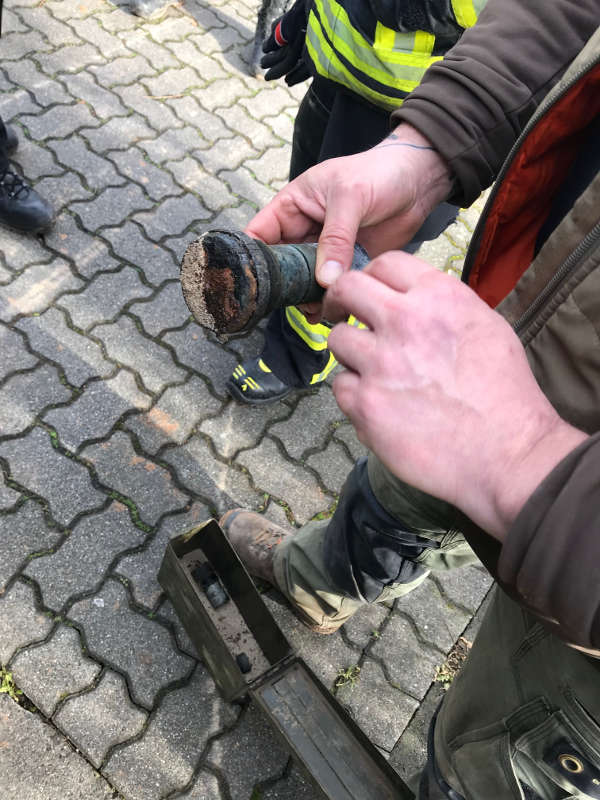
[
  {"x": 8, "y": 139},
  {"x": 255, "y": 384},
  {"x": 151, "y": 9},
  {"x": 21, "y": 207}
]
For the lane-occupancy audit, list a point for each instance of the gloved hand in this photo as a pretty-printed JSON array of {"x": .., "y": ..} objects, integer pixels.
[{"x": 284, "y": 46}]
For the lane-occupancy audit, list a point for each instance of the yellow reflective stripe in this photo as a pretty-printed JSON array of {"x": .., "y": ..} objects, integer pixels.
[
  {"x": 356, "y": 323},
  {"x": 385, "y": 38},
  {"x": 320, "y": 376},
  {"x": 465, "y": 13},
  {"x": 263, "y": 366},
  {"x": 315, "y": 336}
]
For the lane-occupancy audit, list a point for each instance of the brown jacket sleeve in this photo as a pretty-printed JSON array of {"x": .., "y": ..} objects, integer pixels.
[
  {"x": 550, "y": 561},
  {"x": 473, "y": 104}
]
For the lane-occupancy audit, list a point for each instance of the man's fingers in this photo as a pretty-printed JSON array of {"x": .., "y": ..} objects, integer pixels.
[
  {"x": 364, "y": 296},
  {"x": 353, "y": 347},
  {"x": 335, "y": 248},
  {"x": 398, "y": 270}
]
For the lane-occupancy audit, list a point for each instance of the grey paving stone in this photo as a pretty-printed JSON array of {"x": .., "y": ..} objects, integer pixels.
[
  {"x": 467, "y": 586},
  {"x": 55, "y": 31},
  {"x": 273, "y": 474},
  {"x": 294, "y": 786},
  {"x": 239, "y": 427},
  {"x": 173, "y": 81},
  {"x": 25, "y": 395},
  {"x": 103, "y": 298},
  {"x": 97, "y": 172},
  {"x": 8, "y": 498},
  {"x": 271, "y": 99},
  {"x": 173, "y": 216},
  {"x": 206, "y": 787},
  {"x": 63, "y": 190},
  {"x": 164, "y": 759},
  {"x": 167, "y": 613},
  {"x": 382, "y": 711},
  {"x": 325, "y": 655},
  {"x": 213, "y": 192},
  {"x": 157, "y": 183},
  {"x": 272, "y": 165},
  {"x": 189, "y": 110},
  {"x": 411, "y": 665},
  {"x": 438, "y": 620},
  {"x": 260, "y": 135},
  {"x": 149, "y": 486},
  {"x": 248, "y": 345},
  {"x": 11, "y": 23},
  {"x": 20, "y": 621},
  {"x": 85, "y": 555},
  {"x": 249, "y": 754},
  {"x": 21, "y": 250},
  {"x": 174, "y": 416},
  {"x": 64, "y": 483},
  {"x": 122, "y": 71},
  {"x": 36, "y": 288},
  {"x": 50, "y": 671},
  {"x": 14, "y": 352},
  {"x": 23, "y": 534},
  {"x": 58, "y": 122},
  {"x": 37, "y": 756},
  {"x": 365, "y": 627},
  {"x": 118, "y": 21},
  {"x": 111, "y": 206},
  {"x": 100, "y": 719},
  {"x": 139, "y": 41},
  {"x": 105, "y": 103},
  {"x": 243, "y": 183},
  {"x": 80, "y": 357},
  {"x": 141, "y": 568},
  {"x": 167, "y": 309},
  {"x": 199, "y": 354},
  {"x": 345, "y": 433},
  {"x": 118, "y": 133},
  {"x": 88, "y": 253},
  {"x": 16, "y": 46},
  {"x": 26, "y": 73},
  {"x": 173, "y": 145},
  {"x": 225, "y": 154},
  {"x": 333, "y": 466},
  {"x": 313, "y": 419},
  {"x": 130, "y": 642},
  {"x": 36, "y": 161},
  {"x": 219, "y": 485},
  {"x": 282, "y": 125},
  {"x": 130, "y": 244},
  {"x": 410, "y": 751},
  {"x": 91, "y": 30},
  {"x": 170, "y": 29}
]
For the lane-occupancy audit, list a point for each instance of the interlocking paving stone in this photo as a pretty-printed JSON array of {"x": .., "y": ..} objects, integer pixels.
[
  {"x": 16, "y": 46},
  {"x": 24, "y": 396},
  {"x": 35, "y": 755},
  {"x": 249, "y": 754},
  {"x": 223, "y": 486},
  {"x": 381, "y": 710},
  {"x": 80, "y": 357},
  {"x": 111, "y": 206},
  {"x": 130, "y": 243},
  {"x": 14, "y": 353},
  {"x": 272, "y": 165},
  {"x": 98, "y": 720},
  {"x": 173, "y": 216},
  {"x": 81, "y": 561},
  {"x": 105, "y": 103},
  {"x": 310, "y": 424},
  {"x": 189, "y": 174},
  {"x": 88, "y": 253},
  {"x": 103, "y": 298},
  {"x": 240, "y": 426},
  {"x": 332, "y": 464},
  {"x": 437, "y": 619},
  {"x": 54, "y": 669},
  {"x": 410, "y": 751},
  {"x": 173, "y": 81},
  {"x": 127, "y": 345},
  {"x": 20, "y": 621},
  {"x": 259, "y": 134},
  {"x": 345, "y": 433},
  {"x": 37, "y": 162},
  {"x": 22, "y": 533},
  {"x": 20, "y": 250},
  {"x": 174, "y": 416},
  {"x": 364, "y": 627},
  {"x": 118, "y": 134},
  {"x": 271, "y": 473},
  {"x": 58, "y": 122},
  {"x": 206, "y": 787},
  {"x": 157, "y": 183},
  {"x": 36, "y": 288},
  {"x": 294, "y": 786},
  {"x": 226, "y": 154},
  {"x": 97, "y": 172},
  {"x": 129, "y": 642},
  {"x": 63, "y": 482},
  {"x": 167, "y": 309},
  {"x": 122, "y": 71},
  {"x": 197, "y": 352},
  {"x": 173, "y": 144},
  {"x": 190, "y": 112},
  {"x": 8, "y": 498},
  {"x": 63, "y": 190},
  {"x": 147, "y": 484},
  {"x": 164, "y": 759},
  {"x": 466, "y": 586},
  {"x": 139, "y": 41},
  {"x": 242, "y": 182},
  {"x": 91, "y": 30},
  {"x": 141, "y": 568}
]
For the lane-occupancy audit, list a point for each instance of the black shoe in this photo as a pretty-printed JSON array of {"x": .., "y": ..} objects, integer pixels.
[
  {"x": 151, "y": 9},
  {"x": 20, "y": 206},
  {"x": 255, "y": 384},
  {"x": 9, "y": 142}
]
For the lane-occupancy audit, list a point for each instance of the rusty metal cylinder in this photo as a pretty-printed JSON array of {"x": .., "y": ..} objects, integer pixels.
[{"x": 231, "y": 281}]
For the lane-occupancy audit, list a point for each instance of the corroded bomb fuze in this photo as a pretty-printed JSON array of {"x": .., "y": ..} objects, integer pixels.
[{"x": 231, "y": 281}]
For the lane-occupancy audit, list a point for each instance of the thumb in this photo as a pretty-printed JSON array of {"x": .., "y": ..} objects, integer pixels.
[{"x": 335, "y": 248}]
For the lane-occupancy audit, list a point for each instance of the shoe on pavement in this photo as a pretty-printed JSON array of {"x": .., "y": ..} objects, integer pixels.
[
  {"x": 151, "y": 9},
  {"x": 255, "y": 384},
  {"x": 21, "y": 207},
  {"x": 255, "y": 539}
]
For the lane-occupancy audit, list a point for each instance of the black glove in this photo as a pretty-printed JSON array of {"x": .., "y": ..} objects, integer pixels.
[{"x": 284, "y": 47}]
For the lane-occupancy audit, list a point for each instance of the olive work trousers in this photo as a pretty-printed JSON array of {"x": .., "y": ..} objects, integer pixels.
[{"x": 522, "y": 719}]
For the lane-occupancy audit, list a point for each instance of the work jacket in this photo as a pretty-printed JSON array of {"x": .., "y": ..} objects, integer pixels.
[
  {"x": 550, "y": 560},
  {"x": 380, "y": 49}
]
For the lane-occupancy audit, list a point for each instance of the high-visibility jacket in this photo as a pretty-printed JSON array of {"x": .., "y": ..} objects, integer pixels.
[{"x": 380, "y": 49}]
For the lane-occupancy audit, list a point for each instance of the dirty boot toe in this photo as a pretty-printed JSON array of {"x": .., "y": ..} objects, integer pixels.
[{"x": 255, "y": 540}]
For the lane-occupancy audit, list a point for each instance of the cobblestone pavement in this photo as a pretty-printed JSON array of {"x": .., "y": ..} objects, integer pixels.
[{"x": 116, "y": 432}]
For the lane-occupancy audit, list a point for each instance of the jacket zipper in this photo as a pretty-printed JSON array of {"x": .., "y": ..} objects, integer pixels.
[
  {"x": 538, "y": 115},
  {"x": 566, "y": 268}
]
